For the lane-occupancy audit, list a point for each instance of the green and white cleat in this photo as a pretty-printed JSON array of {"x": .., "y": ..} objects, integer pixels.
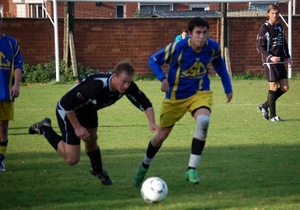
[
  {"x": 192, "y": 176},
  {"x": 139, "y": 176}
]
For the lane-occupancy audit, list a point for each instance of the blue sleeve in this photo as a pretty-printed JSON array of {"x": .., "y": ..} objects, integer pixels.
[
  {"x": 220, "y": 68},
  {"x": 156, "y": 61},
  {"x": 18, "y": 61}
]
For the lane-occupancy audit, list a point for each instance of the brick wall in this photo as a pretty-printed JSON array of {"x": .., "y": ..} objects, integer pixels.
[{"x": 101, "y": 43}]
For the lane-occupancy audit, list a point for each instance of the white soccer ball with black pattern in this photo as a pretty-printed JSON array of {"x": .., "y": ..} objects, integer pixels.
[{"x": 154, "y": 190}]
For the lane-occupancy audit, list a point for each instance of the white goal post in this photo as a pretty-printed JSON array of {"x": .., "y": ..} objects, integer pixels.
[{"x": 54, "y": 22}]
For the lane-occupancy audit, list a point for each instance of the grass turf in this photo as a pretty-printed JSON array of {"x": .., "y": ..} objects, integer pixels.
[{"x": 248, "y": 162}]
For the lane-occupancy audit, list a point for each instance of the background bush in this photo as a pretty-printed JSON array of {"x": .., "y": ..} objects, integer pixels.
[{"x": 43, "y": 73}]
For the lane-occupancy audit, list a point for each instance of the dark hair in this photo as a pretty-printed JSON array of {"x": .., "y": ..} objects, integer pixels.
[
  {"x": 184, "y": 30},
  {"x": 196, "y": 22},
  {"x": 124, "y": 66},
  {"x": 273, "y": 7}
]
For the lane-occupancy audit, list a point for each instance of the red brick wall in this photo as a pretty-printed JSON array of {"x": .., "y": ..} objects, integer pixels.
[
  {"x": 101, "y": 43},
  {"x": 181, "y": 7},
  {"x": 90, "y": 10}
]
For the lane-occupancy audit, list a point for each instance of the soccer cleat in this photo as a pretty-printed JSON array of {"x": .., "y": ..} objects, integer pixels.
[
  {"x": 192, "y": 176},
  {"x": 103, "y": 176},
  {"x": 35, "y": 128},
  {"x": 139, "y": 175},
  {"x": 2, "y": 167},
  {"x": 264, "y": 112},
  {"x": 276, "y": 119}
]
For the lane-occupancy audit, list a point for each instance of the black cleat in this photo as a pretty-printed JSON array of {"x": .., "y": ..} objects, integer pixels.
[
  {"x": 103, "y": 176},
  {"x": 264, "y": 112},
  {"x": 35, "y": 128}
]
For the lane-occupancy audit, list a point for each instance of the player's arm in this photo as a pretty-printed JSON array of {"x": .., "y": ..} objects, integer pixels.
[
  {"x": 261, "y": 43},
  {"x": 286, "y": 53},
  {"x": 140, "y": 100},
  {"x": 151, "y": 119},
  {"x": 157, "y": 60},
  {"x": 15, "y": 89},
  {"x": 220, "y": 67},
  {"x": 18, "y": 65},
  {"x": 80, "y": 131}
]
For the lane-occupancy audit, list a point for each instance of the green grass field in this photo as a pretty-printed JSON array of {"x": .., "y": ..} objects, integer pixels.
[{"x": 248, "y": 162}]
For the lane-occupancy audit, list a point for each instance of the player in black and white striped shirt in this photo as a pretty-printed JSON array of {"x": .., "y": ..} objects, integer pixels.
[
  {"x": 77, "y": 117},
  {"x": 272, "y": 45}
]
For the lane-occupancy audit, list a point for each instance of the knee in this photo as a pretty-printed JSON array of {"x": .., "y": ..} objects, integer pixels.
[
  {"x": 202, "y": 123},
  {"x": 284, "y": 88},
  {"x": 72, "y": 161}
]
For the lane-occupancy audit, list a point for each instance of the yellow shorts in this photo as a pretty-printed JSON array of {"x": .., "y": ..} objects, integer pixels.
[
  {"x": 6, "y": 110},
  {"x": 173, "y": 110}
]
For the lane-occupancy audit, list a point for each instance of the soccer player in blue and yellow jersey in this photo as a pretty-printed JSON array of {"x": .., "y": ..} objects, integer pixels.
[
  {"x": 187, "y": 88},
  {"x": 11, "y": 68}
]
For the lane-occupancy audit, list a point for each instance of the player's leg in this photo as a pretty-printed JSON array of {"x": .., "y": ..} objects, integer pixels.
[
  {"x": 3, "y": 142},
  {"x": 201, "y": 105},
  {"x": 153, "y": 147},
  {"x": 273, "y": 86},
  {"x": 263, "y": 108},
  {"x": 6, "y": 114},
  {"x": 93, "y": 151},
  {"x": 283, "y": 81},
  {"x": 171, "y": 116},
  {"x": 67, "y": 145},
  {"x": 280, "y": 75},
  {"x": 284, "y": 87}
]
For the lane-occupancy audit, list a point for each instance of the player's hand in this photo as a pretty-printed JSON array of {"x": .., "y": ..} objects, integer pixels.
[
  {"x": 82, "y": 133},
  {"x": 275, "y": 59},
  {"x": 229, "y": 97},
  {"x": 290, "y": 62},
  {"x": 165, "y": 85},
  {"x": 154, "y": 127},
  {"x": 14, "y": 91}
]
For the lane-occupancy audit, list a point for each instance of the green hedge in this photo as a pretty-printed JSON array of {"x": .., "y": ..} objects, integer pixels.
[{"x": 44, "y": 73}]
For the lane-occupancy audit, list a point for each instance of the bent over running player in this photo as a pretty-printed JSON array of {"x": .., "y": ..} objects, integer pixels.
[
  {"x": 76, "y": 113},
  {"x": 187, "y": 89}
]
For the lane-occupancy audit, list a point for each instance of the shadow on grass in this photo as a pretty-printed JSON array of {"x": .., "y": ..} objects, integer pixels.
[{"x": 233, "y": 177}]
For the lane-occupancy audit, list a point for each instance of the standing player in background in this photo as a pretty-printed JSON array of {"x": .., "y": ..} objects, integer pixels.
[
  {"x": 272, "y": 45},
  {"x": 76, "y": 113},
  {"x": 187, "y": 90},
  {"x": 183, "y": 35},
  {"x": 11, "y": 69}
]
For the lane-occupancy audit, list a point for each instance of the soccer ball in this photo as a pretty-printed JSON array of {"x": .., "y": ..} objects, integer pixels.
[{"x": 154, "y": 190}]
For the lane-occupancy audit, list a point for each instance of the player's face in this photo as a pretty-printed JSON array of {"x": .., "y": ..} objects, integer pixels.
[
  {"x": 198, "y": 37},
  {"x": 121, "y": 82},
  {"x": 273, "y": 15},
  {"x": 183, "y": 35}
]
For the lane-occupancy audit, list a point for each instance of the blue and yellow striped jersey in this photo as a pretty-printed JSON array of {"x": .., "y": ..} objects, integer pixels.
[
  {"x": 10, "y": 59},
  {"x": 188, "y": 69}
]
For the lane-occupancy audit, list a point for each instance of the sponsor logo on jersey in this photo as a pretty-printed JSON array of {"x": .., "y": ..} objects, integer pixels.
[{"x": 79, "y": 96}]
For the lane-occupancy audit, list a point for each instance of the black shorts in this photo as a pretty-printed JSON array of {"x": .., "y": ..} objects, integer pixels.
[
  {"x": 275, "y": 72},
  {"x": 67, "y": 131}
]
